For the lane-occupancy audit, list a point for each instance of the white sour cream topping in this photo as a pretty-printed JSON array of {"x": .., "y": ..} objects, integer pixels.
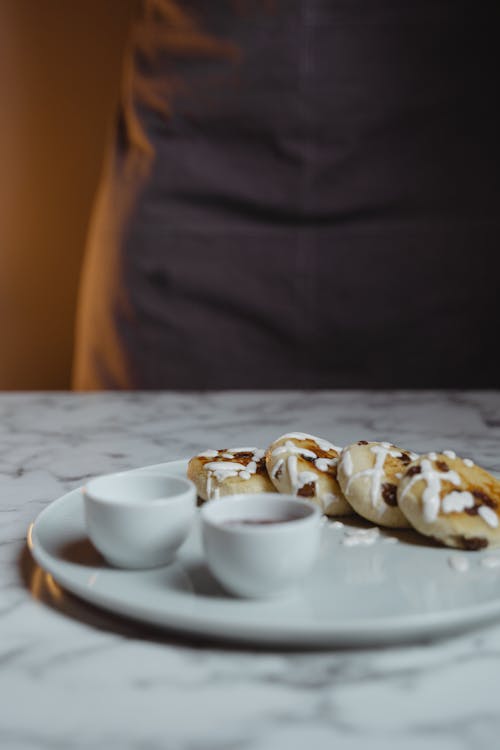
[
  {"x": 488, "y": 515},
  {"x": 459, "y": 563},
  {"x": 299, "y": 479},
  {"x": 450, "y": 454},
  {"x": 453, "y": 502},
  {"x": 287, "y": 454},
  {"x": 376, "y": 474},
  {"x": 431, "y": 495},
  {"x": 221, "y": 470},
  {"x": 323, "y": 464},
  {"x": 346, "y": 463},
  {"x": 355, "y": 537},
  {"x": 468, "y": 462},
  {"x": 457, "y": 501},
  {"x": 289, "y": 447},
  {"x": 324, "y": 445},
  {"x": 277, "y": 466}
]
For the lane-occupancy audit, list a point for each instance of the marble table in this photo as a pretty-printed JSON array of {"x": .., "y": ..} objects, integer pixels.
[{"x": 73, "y": 677}]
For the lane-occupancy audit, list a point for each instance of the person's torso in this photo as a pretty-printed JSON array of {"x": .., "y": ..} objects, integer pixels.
[{"x": 336, "y": 111}]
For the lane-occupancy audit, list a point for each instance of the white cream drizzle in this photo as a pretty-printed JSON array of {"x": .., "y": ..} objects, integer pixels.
[
  {"x": 458, "y": 563},
  {"x": 346, "y": 464},
  {"x": 277, "y": 466},
  {"x": 455, "y": 502},
  {"x": 213, "y": 494},
  {"x": 488, "y": 515},
  {"x": 431, "y": 495},
  {"x": 450, "y": 454},
  {"x": 289, "y": 447},
  {"x": 299, "y": 479},
  {"x": 323, "y": 464},
  {"x": 376, "y": 474},
  {"x": 468, "y": 462},
  {"x": 221, "y": 470},
  {"x": 324, "y": 445},
  {"x": 356, "y": 537},
  {"x": 289, "y": 453}
]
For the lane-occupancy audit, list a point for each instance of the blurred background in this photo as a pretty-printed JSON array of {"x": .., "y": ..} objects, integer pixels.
[
  {"x": 54, "y": 121},
  {"x": 383, "y": 187}
]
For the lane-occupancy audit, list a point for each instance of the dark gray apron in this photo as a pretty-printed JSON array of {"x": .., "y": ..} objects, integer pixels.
[{"x": 322, "y": 214}]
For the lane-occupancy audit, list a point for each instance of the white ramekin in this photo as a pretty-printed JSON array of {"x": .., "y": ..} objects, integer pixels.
[
  {"x": 260, "y": 560},
  {"x": 139, "y": 520}
]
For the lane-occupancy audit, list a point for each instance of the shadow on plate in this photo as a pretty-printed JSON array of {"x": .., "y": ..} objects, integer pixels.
[
  {"x": 406, "y": 536},
  {"x": 195, "y": 578},
  {"x": 81, "y": 551},
  {"x": 190, "y": 578},
  {"x": 45, "y": 590}
]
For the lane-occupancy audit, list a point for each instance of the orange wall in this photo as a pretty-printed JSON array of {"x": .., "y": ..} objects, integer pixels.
[{"x": 59, "y": 75}]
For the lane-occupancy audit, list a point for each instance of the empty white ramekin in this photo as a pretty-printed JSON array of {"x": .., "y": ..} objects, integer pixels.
[{"x": 139, "y": 520}]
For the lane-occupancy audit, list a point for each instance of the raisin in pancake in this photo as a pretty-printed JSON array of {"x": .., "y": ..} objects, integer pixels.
[
  {"x": 229, "y": 471},
  {"x": 452, "y": 500},
  {"x": 368, "y": 474},
  {"x": 304, "y": 465}
]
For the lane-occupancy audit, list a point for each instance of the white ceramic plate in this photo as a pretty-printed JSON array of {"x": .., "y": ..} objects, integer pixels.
[{"x": 382, "y": 593}]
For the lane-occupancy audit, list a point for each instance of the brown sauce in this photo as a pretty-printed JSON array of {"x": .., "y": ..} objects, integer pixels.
[{"x": 260, "y": 521}]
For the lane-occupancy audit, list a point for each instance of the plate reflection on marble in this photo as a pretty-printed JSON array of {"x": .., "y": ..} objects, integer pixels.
[{"x": 392, "y": 588}]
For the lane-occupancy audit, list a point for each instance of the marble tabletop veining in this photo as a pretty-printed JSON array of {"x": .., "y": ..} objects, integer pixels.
[{"x": 73, "y": 677}]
